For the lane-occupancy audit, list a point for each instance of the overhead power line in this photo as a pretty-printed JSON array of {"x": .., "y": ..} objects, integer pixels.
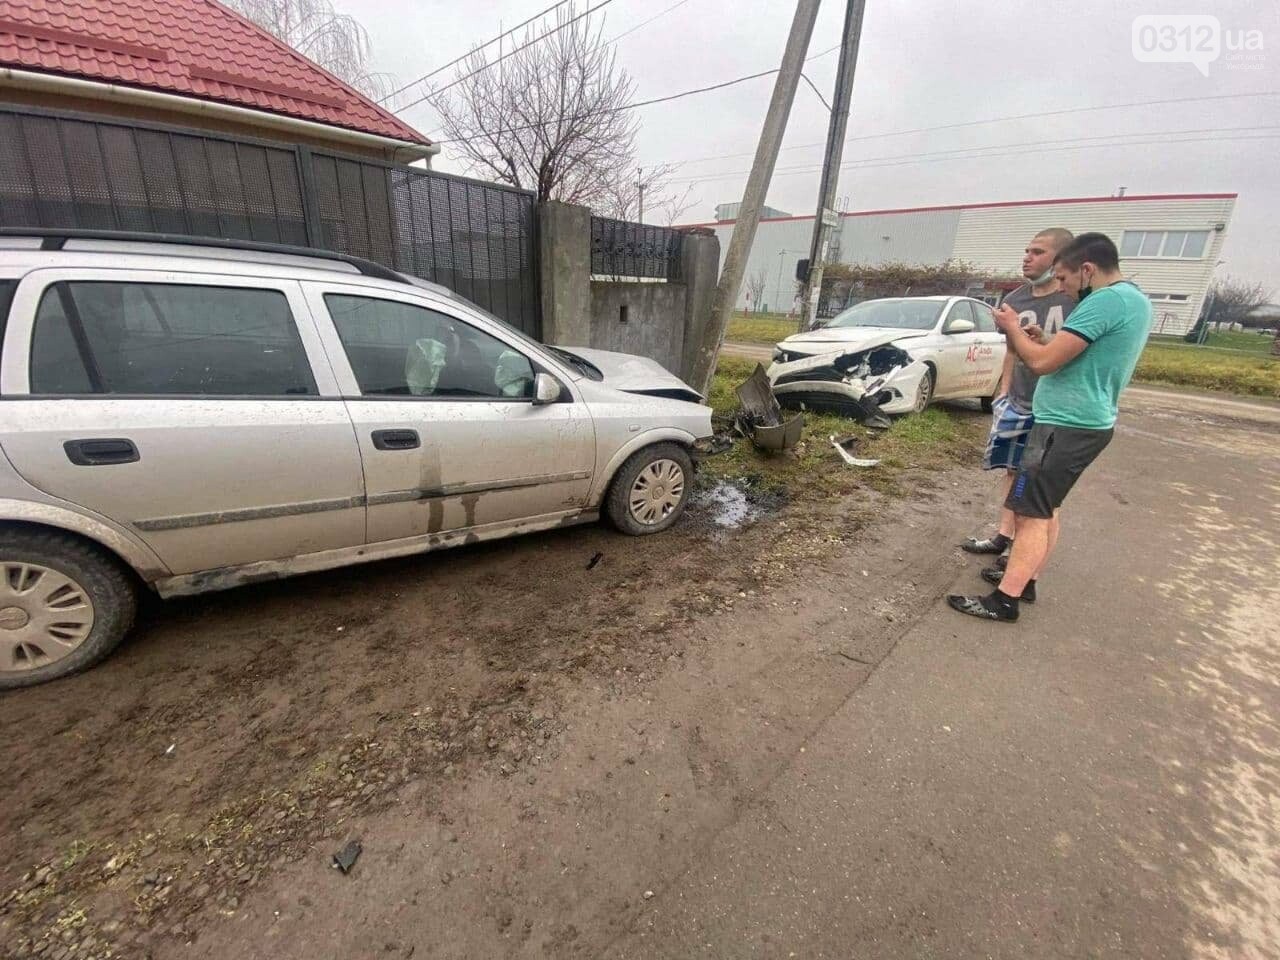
[
  {"x": 631, "y": 106},
  {"x": 989, "y": 148},
  {"x": 975, "y": 123},
  {"x": 910, "y": 159},
  {"x": 645, "y": 23},
  {"x": 488, "y": 43},
  {"x": 510, "y": 53}
]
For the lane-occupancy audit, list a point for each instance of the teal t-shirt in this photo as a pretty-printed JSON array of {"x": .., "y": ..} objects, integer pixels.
[{"x": 1086, "y": 392}]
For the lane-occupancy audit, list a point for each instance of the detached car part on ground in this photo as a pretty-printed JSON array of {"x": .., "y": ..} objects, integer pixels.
[
  {"x": 189, "y": 417},
  {"x": 891, "y": 356}
]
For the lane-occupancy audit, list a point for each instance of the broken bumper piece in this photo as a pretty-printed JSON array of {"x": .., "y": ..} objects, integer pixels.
[{"x": 760, "y": 416}]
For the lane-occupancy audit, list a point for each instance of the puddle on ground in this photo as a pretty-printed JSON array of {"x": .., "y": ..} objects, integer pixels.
[{"x": 731, "y": 505}]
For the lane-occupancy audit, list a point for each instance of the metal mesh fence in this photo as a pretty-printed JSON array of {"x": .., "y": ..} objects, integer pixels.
[
  {"x": 620, "y": 248},
  {"x": 478, "y": 239}
]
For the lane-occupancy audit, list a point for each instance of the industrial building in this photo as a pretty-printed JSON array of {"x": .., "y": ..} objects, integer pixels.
[{"x": 1169, "y": 244}]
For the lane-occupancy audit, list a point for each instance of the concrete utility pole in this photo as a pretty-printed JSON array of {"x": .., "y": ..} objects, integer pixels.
[
  {"x": 735, "y": 260},
  {"x": 640, "y": 185},
  {"x": 826, "y": 217}
]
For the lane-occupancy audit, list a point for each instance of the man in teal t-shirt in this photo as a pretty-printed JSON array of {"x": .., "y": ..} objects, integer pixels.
[{"x": 1082, "y": 371}]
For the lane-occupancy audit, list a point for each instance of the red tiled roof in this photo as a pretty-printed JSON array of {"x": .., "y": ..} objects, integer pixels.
[{"x": 194, "y": 48}]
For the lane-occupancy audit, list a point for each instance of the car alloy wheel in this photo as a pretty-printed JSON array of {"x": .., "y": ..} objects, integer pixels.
[
  {"x": 657, "y": 492},
  {"x": 44, "y": 616},
  {"x": 924, "y": 393}
]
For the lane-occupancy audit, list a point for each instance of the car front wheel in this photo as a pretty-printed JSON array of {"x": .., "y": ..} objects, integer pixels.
[
  {"x": 924, "y": 392},
  {"x": 64, "y": 605},
  {"x": 649, "y": 493}
]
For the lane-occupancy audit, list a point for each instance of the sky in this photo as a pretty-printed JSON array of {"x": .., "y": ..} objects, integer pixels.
[{"x": 924, "y": 64}]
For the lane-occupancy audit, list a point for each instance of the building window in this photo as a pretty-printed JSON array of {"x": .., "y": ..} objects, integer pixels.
[
  {"x": 1165, "y": 244},
  {"x": 1168, "y": 297}
]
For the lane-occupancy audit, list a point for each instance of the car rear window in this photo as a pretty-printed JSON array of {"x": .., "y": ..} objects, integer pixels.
[
  {"x": 6, "y": 299},
  {"x": 155, "y": 339}
]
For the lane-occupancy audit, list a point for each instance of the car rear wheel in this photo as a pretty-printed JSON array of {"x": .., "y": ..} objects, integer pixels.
[
  {"x": 64, "y": 605},
  {"x": 649, "y": 493},
  {"x": 924, "y": 392}
]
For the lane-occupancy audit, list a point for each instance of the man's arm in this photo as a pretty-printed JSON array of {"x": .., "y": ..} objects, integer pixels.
[
  {"x": 1041, "y": 358},
  {"x": 1006, "y": 373}
]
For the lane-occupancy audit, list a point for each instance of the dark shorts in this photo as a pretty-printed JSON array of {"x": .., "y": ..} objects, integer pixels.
[{"x": 1052, "y": 463}]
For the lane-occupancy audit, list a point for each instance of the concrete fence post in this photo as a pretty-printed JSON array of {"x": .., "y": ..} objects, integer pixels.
[
  {"x": 564, "y": 238},
  {"x": 700, "y": 269}
]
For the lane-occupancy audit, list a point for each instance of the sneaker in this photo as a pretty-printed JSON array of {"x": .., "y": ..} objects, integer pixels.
[
  {"x": 997, "y": 544},
  {"x": 1002, "y": 561},
  {"x": 985, "y": 608},
  {"x": 995, "y": 575}
]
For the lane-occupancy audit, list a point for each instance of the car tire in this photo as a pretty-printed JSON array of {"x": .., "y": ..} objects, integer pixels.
[
  {"x": 987, "y": 403},
  {"x": 45, "y": 574},
  {"x": 924, "y": 392},
  {"x": 649, "y": 492}
]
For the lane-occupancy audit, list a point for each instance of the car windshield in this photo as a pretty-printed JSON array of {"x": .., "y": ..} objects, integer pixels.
[{"x": 901, "y": 314}]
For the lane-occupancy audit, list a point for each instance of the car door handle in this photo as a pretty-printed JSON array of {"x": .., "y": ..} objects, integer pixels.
[
  {"x": 396, "y": 440},
  {"x": 101, "y": 452}
]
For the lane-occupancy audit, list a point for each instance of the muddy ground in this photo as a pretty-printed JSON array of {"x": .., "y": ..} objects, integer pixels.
[{"x": 237, "y": 733}]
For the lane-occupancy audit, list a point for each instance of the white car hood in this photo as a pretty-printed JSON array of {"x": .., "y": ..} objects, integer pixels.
[
  {"x": 847, "y": 339},
  {"x": 625, "y": 371}
]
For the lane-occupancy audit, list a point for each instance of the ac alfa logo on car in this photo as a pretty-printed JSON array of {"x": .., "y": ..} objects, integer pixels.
[{"x": 978, "y": 352}]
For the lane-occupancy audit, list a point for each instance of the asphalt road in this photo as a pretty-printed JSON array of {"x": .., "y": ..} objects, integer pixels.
[{"x": 843, "y": 767}]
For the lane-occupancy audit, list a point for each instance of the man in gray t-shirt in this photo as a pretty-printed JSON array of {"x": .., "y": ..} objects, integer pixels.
[
  {"x": 1046, "y": 311},
  {"x": 1042, "y": 310}
]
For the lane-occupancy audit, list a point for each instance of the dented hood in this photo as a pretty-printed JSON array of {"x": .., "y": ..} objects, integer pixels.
[
  {"x": 846, "y": 339},
  {"x": 625, "y": 371}
]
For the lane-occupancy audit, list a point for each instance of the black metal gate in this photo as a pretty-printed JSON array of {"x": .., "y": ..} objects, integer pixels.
[{"x": 64, "y": 170}]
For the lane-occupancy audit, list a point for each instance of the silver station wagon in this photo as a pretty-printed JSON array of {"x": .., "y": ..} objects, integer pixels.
[{"x": 188, "y": 418}]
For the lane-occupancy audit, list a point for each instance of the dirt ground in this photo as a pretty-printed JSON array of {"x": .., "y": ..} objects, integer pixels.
[{"x": 236, "y": 733}]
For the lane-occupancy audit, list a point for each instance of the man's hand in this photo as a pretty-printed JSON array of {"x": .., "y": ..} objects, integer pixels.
[
  {"x": 1033, "y": 331},
  {"x": 1007, "y": 319}
]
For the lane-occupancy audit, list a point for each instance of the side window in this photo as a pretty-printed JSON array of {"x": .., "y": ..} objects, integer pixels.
[
  {"x": 402, "y": 350},
  {"x": 959, "y": 311},
  {"x": 986, "y": 319},
  {"x": 158, "y": 339},
  {"x": 6, "y": 300}
]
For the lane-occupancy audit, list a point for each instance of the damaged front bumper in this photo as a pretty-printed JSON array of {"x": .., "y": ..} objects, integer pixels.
[{"x": 856, "y": 383}]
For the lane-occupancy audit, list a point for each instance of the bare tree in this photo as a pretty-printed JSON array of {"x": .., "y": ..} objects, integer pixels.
[
  {"x": 335, "y": 41},
  {"x": 552, "y": 117},
  {"x": 620, "y": 197},
  {"x": 756, "y": 283},
  {"x": 1234, "y": 299}
]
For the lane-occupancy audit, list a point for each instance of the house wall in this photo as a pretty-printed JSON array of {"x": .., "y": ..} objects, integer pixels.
[{"x": 105, "y": 108}]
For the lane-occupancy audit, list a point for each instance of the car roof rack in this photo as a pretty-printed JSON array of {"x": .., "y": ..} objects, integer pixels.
[{"x": 55, "y": 238}]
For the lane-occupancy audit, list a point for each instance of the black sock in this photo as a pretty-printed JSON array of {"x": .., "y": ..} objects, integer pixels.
[
  {"x": 999, "y": 598},
  {"x": 1002, "y": 540}
]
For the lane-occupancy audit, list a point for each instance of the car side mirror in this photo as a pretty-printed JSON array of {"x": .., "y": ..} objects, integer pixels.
[
  {"x": 546, "y": 389},
  {"x": 960, "y": 325}
]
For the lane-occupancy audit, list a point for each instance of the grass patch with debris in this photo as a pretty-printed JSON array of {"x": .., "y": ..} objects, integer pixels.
[
  {"x": 930, "y": 440},
  {"x": 1208, "y": 369}
]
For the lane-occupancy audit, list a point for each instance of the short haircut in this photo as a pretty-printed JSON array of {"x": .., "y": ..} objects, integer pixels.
[
  {"x": 1095, "y": 248},
  {"x": 1058, "y": 236}
]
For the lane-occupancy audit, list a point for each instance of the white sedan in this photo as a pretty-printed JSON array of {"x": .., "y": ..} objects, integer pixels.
[{"x": 895, "y": 355}]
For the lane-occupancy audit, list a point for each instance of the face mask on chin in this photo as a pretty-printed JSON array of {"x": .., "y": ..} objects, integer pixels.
[
  {"x": 1043, "y": 278},
  {"x": 1086, "y": 287}
]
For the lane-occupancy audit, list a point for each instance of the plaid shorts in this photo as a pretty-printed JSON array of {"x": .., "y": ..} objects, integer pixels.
[{"x": 1010, "y": 427}]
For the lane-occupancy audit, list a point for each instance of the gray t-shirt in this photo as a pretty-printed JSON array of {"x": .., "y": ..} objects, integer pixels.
[{"x": 1049, "y": 312}]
